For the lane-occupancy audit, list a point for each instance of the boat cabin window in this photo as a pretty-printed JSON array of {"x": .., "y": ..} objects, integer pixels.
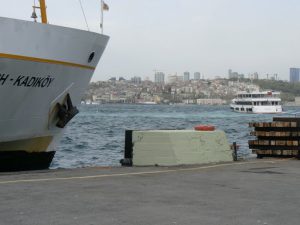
[
  {"x": 244, "y": 103},
  {"x": 265, "y": 103}
]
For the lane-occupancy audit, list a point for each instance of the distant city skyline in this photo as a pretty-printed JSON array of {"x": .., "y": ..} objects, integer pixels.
[
  {"x": 209, "y": 36},
  {"x": 161, "y": 77}
]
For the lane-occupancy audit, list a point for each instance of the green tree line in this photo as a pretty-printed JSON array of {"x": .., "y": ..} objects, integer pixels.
[{"x": 288, "y": 90}]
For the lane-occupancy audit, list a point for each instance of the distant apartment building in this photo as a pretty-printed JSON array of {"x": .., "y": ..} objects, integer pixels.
[
  {"x": 197, "y": 76},
  {"x": 230, "y": 74},
  {"x": 255, "y": 76},
  {"x": 188, "y": 101},
  {"x": 274, "y": 76},
  {"x": 294, "y": 74},
  {"x": 136, "y": 80},
  {"x": 187, "y": 89},
  {"x": 186, "y": 76},
  {"x": 175, "y": 79},
  {"x": 235, "y": 75},
  {"x": 159, "y": 77},
  {"x": 210, "y": 101}
]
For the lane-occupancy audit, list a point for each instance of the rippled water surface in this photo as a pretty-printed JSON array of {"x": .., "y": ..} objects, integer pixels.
[{"x": 95, "y": 137}]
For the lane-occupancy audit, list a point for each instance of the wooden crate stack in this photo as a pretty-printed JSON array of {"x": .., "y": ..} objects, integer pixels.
[{"x": 280, "y": 138}]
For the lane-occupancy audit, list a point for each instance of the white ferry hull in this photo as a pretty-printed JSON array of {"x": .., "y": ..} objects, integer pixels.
[
  {"x": 257, "y": 109},
  {"x": 40, "y": 65}
]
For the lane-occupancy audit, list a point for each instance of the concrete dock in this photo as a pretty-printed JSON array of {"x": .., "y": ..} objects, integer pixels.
[{"x": 250, "y": 192}]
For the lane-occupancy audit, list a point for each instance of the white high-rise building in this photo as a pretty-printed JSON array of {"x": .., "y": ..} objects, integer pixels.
[{"x": 175, "y": 79}]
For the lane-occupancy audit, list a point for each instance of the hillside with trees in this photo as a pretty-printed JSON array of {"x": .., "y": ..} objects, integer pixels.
[{"x": 288, "y": 90}]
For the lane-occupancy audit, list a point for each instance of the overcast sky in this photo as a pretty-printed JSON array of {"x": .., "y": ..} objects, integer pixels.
[{"x": 209, "y": 36}]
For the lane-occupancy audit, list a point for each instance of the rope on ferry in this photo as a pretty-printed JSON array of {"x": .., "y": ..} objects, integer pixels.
[{"x": 84, "y": 15}]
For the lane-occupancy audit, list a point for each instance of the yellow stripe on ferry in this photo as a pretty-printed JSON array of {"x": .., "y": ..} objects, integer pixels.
[{"x": 50, "y": 61}]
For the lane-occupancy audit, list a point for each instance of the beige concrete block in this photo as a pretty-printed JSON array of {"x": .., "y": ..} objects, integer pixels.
[{"x": 179, "y": 147}]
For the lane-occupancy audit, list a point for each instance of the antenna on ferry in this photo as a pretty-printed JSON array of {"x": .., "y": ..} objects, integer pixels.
[{"x": 104, "y": 7}]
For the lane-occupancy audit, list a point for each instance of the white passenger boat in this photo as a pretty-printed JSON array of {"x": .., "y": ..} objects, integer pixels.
[
  {"x": 257, "y": 102},
  {"x": 44, "y": 71}
]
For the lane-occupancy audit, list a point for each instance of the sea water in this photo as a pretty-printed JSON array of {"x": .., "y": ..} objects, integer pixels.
[{"x": 96, "y": 136}]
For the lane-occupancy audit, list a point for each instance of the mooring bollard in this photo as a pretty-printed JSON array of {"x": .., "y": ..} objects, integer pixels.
[
  {"x": 234, "y": 153},
  {"x": 127, "y": 161}
]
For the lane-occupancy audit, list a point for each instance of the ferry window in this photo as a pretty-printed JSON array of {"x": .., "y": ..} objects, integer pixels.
[
  {"x": 242, "y": 109},
  {"x": 250, "y": 110},
  {"x": 236, "y": 108},
  {"x": 254, "y": 103}
]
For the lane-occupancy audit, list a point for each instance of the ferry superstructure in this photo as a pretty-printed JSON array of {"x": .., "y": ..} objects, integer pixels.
[
  {"x": 257, "y": 102},
  {"x": 44, "y": 71}
]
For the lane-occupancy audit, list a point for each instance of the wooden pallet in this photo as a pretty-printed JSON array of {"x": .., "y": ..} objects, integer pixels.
[{"x": 278, "y": 138}]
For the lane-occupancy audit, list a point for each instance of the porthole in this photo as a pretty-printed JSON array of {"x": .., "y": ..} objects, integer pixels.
[{"x": 91, "y": 57}]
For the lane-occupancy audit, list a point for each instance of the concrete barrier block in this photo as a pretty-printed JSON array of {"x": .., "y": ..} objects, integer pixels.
[{"x": 179, "y": 147}]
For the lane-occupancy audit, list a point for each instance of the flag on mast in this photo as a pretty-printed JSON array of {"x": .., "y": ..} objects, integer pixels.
[{"x": 105, "y": 7}]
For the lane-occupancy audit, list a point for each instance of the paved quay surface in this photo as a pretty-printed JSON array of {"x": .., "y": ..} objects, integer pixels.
[{"x": 254, "y": 192}]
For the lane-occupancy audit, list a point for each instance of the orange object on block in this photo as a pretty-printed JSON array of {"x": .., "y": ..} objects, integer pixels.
[{"x": 204, "y": 128}]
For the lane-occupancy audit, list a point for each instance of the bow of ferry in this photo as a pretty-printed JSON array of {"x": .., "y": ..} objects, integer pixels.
[{"x": 42, "y": 69}]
